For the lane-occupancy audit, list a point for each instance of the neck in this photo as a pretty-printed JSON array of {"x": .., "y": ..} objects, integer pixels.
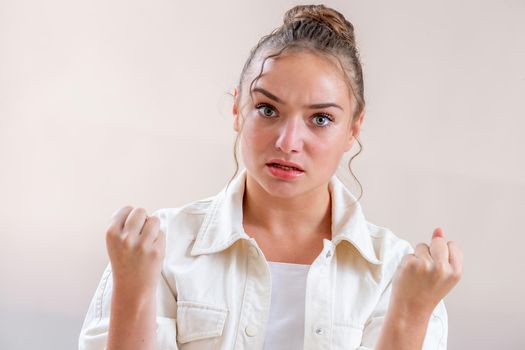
[{"x": 300, "y": 216}]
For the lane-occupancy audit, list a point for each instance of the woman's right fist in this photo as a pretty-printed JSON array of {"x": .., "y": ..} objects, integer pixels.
[{"x": 136, "y": 249}]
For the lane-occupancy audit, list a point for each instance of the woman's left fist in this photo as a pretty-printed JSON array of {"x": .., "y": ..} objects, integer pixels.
[{"x": 426, "y": 276}]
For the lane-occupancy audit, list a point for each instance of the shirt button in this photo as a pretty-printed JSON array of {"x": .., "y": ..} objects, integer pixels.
[
  {"x": 254, "y": 252},
  {"x": 319, "y": 331},
  {"x": 328, "y": 254},
  {"x": 251, "y": 330}
]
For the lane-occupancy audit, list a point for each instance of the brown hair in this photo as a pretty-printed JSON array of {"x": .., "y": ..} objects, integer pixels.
[{"x": 320, "y": 30}]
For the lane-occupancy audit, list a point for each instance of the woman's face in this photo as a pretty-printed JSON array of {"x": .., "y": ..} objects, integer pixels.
[{"x": 301, "y": 113}]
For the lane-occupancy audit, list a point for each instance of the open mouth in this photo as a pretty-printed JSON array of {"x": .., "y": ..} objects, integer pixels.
[{"x": 289, "y": 168}]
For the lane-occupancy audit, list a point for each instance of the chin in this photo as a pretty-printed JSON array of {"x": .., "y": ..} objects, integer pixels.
[
  {"x": 283, "y": 188},
  {"x": 283, "y": 191}
]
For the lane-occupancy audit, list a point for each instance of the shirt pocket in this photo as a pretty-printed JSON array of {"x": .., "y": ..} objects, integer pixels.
[
  {"x": 200, "y": 324},
  {"x": 346, "y": 336}
]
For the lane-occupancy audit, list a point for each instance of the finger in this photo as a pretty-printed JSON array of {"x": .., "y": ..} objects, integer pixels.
[
  {"x": 150, "y": 230},
  {"x": 455, "y": 258},
  {"x": 422, "y": 251},
  {"x": 438, "y": 232},
  {"x": 407, "y": 261},
  {"x": 409, "y": 256},
  {"x": 135, "y": 221},
  {"x": 160, "y": 244},
  {"x": 161, "y": 237},
  {"x": 438, "y": 247},
  {"x": 118, "y": 218}
]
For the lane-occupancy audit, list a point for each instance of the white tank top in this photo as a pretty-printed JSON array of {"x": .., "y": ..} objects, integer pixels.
[{"x": 285, "y": 327}]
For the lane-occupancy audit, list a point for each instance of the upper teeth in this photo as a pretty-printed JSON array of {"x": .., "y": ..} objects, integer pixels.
[{"x": 284, "y": 166}]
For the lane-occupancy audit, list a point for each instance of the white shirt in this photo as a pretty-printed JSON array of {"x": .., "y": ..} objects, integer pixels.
[
  {"x": 215, "y": 289},
  {"x": 284, "y": 329}
]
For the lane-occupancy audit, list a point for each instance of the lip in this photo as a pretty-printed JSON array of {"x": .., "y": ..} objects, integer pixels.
[
  {"x": 282, "y": 174},
  {"x": 285, "y": 163}
]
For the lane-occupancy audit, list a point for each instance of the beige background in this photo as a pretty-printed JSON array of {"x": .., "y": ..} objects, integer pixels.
[{"x": 107, "y": 103}]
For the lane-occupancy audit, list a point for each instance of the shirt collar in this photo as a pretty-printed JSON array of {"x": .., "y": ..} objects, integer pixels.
[{"x": 222, "y": 225}]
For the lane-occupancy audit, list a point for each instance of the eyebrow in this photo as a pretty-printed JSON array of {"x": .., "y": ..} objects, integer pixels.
[{"x": 277, "y": 99}]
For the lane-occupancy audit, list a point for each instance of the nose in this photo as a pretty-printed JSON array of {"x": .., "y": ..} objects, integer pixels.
[{"x": 291, "y": 136}]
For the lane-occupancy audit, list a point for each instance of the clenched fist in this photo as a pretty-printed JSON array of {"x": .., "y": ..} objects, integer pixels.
[
  {"x": 136, "y": 248},
  {"x": 426, "y": 276}
]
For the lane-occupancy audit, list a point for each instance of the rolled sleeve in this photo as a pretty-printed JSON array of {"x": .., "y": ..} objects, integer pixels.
[
  {"x": 437, "y": 331},
  {"x": 435, "y": 336},
  {"x": 94, "y": 331}
]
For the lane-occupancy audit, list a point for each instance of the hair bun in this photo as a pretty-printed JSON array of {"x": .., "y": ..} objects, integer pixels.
[{"x": 322, "y": 14}]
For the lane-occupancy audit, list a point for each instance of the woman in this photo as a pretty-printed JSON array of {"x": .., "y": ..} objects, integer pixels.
[{"x": 283, "y": 257}]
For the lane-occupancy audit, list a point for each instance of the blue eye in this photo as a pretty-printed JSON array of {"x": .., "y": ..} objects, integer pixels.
[
  {"x": 321, "y": 120},
  {"x": 265, "y": 110},
  {"x": 321, "y": 117}
]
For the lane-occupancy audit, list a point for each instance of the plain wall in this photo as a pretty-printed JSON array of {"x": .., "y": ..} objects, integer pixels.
[{"x": 108, "y": 103}]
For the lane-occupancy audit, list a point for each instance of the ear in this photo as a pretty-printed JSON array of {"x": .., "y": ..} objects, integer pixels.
[
  {"x": 355, "y": 130},
  {"x": 235, "y": 111}
]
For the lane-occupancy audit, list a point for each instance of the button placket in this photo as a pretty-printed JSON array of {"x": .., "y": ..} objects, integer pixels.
[
  {"x": 256, "y": 300},
  {"x": 318, "y": 300}
]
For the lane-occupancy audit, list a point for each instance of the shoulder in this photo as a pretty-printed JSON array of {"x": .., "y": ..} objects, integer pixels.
[
  {"x": 197, "y": 207},
  {"x": 187, "y": 217}
]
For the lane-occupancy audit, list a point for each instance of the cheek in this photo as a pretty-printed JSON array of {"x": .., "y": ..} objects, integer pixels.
[
  {"x": 328, "y": 150},
  {"x": 255, "y": 136}
]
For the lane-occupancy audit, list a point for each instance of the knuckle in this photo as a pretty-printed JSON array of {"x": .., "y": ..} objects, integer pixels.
[
  {"x": 140, "y": 210},
  {"x": 154, "y": 220},
  {"x": 112, "y": 231},
  {"x": 409, "y": 262},
  {"x": 155, "y": 253},
  {"x": 456, "y": 274},
  {"x": 161, "y": 251},
  {"x": 143, "y": 249},
  {"x": 151, "y": 225},
  {"x": 441, "y": 267},
  {"x": 110, "y": 242},
  {"x": 426, "y": 266},
  {"x": 126, "y": 207},
  {"x": 421, "y": 246},
  {"x": 441, "y": 270},
  {"x": 127, "y": 243},
  {"x": 404, "y": 261},
  {"x": 121, "y": 213}
]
